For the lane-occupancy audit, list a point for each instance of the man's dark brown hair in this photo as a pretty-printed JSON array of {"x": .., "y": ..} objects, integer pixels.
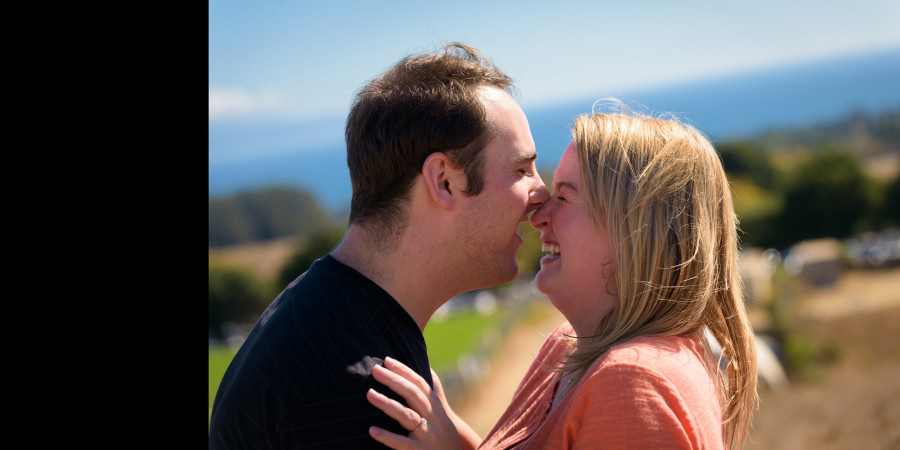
[{"x": 425, "y": 103}]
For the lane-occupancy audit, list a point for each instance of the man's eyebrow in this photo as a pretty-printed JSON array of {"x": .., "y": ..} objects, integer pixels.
[{"x": 525, "y": 158}]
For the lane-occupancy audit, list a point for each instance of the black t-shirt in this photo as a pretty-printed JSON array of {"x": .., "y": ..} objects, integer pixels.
[{"x": 300, "y": 378}]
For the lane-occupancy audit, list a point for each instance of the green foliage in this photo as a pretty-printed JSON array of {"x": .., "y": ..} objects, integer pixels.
[
  {"x": 755, "y": 208},
  {"x": 529, "y": 254},
  {"x": 263, "y": 214},
  {"x": 890, "y": 208},
  {"x": 316, "y": 246},
  {"x": 803, "y": 358},
  {"x": 236, "y": 296},
  {"x": 459, "y": 334},
  {"x": 748, "y": 159},
  {"x": 825, "y": 196},
  {"x": 219, "y": 359}
]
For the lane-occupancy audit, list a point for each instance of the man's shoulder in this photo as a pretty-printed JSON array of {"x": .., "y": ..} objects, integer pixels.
[{"x": 329, "y": 279}]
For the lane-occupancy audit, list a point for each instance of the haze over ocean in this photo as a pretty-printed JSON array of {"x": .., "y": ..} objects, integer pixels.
[{"x": 312, "y": 154}]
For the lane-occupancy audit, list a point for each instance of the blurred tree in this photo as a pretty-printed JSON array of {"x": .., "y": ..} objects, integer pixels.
[
  {"x": 529, "y": 254},
  {"x": 890, "y": 206},
  {"x": 755, "y": 208},
  {"x": 264, "y": 214},
  {"x": 825, "y": 196},
  {"x": 236, "y": 296},
  {"x": 314, "y": 247},
  {"x": 748, "y": 159}
]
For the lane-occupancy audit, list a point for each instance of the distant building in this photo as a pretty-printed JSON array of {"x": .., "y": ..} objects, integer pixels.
[
  {"x": 818, "y": 262},
  {"x": 756, "y": 267}
]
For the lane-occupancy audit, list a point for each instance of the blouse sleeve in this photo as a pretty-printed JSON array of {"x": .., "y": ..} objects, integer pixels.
[{"x": 628, "y": 406}]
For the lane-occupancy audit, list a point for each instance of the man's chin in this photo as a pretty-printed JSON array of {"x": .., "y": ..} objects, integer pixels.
[
  {"x": 511, "y": 274},
  {"x": 501, "y": 275}
]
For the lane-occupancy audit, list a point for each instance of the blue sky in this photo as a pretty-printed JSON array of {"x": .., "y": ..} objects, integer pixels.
[{"x": 290, "y": 62}]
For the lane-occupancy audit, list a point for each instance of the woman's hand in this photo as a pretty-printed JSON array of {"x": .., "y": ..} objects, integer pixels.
[{"x": 435, "y": 431}]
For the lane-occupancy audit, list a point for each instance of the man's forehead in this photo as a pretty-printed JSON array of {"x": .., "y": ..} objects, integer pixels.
[
  {"x": 508, "y": 127},
  {"x": 490, "y": 93}
]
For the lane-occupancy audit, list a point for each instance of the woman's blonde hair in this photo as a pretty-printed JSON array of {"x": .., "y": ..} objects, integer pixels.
[{"x": 659, "y": 188}]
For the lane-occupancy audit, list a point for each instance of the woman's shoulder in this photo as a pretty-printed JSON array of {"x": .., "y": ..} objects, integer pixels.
[
  {"x": 563, "y": 329},
  {"x": 668, "y": 356},
  {"x": 657, "y": 384},
  {"x": 655, "y": 346},
  {"x": 654, "y": 367},
  {"x": 558, "y": 342}
]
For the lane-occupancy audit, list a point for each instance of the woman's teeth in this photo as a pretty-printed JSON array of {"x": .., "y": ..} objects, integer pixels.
[{"x": 551, "y": 248}]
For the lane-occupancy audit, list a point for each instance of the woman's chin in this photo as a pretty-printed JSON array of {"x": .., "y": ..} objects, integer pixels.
[{"x": 541, "y": 282}]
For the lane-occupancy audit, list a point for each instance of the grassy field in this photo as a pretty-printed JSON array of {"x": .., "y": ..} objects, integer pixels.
[
  {"x": 447, "y": 340},
  {"x": 219, "y": 358},
  {"x": 460, "y": 334}
]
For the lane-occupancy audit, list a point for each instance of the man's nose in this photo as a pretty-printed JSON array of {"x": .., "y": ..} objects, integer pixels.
[
  {"x": 541, "y": 216},
  {"x": 539, "y": 195}
]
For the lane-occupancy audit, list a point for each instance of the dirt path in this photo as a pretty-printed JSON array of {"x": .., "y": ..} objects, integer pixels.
[
  {"x": 853, "y": 400},
  {"x": 854, "y": 403},
  {"x": 482, "y": 406}
]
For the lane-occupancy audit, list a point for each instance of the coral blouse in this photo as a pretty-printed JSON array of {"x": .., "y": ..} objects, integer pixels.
[{"x": 648, "y": 392}]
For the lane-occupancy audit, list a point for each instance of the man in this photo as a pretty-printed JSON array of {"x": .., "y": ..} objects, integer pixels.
[{"x": 442, "y": 164}]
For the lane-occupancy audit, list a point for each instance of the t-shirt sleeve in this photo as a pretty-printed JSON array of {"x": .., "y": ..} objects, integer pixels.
[
  {"x": 628, "y": 406},
  {"x": 338, "y": 417}
]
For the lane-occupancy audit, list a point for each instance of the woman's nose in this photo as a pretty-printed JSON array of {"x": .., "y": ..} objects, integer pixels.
[{"x": 541, "y": 217}]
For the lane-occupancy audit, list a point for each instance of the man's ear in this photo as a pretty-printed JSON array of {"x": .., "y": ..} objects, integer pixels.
[{"x": 442, "y": 179}]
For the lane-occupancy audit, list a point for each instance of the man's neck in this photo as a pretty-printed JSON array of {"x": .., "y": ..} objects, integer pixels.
[{"x": 410, "y": 272}]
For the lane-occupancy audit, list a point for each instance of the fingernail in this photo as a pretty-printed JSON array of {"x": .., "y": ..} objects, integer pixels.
[{"x": 388, "y": 359}]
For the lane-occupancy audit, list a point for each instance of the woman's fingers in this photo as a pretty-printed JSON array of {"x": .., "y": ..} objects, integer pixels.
[
  {"x": 404, "y": 371},
  {"x": 415, "y": 397},
  {"x": 392, "y": 440},
  {"x": 406, "y": 417},
  {"x": 439, "y": 388},
  {"x": 438, "y": 432}
]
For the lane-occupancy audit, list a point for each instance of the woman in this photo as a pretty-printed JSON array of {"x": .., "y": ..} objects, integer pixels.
[{"x": 643, "y": 251}]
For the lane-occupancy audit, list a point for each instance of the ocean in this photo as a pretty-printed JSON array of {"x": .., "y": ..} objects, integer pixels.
[{"x": 312, "y": 155}]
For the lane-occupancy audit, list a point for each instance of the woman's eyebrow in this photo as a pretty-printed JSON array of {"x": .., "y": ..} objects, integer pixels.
[{"x": 565, "y": 184}]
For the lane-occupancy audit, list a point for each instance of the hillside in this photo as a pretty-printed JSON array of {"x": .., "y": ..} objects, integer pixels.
[
  {"x": 264, "y": 214},
  {"x": 264, "y": 258}
]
